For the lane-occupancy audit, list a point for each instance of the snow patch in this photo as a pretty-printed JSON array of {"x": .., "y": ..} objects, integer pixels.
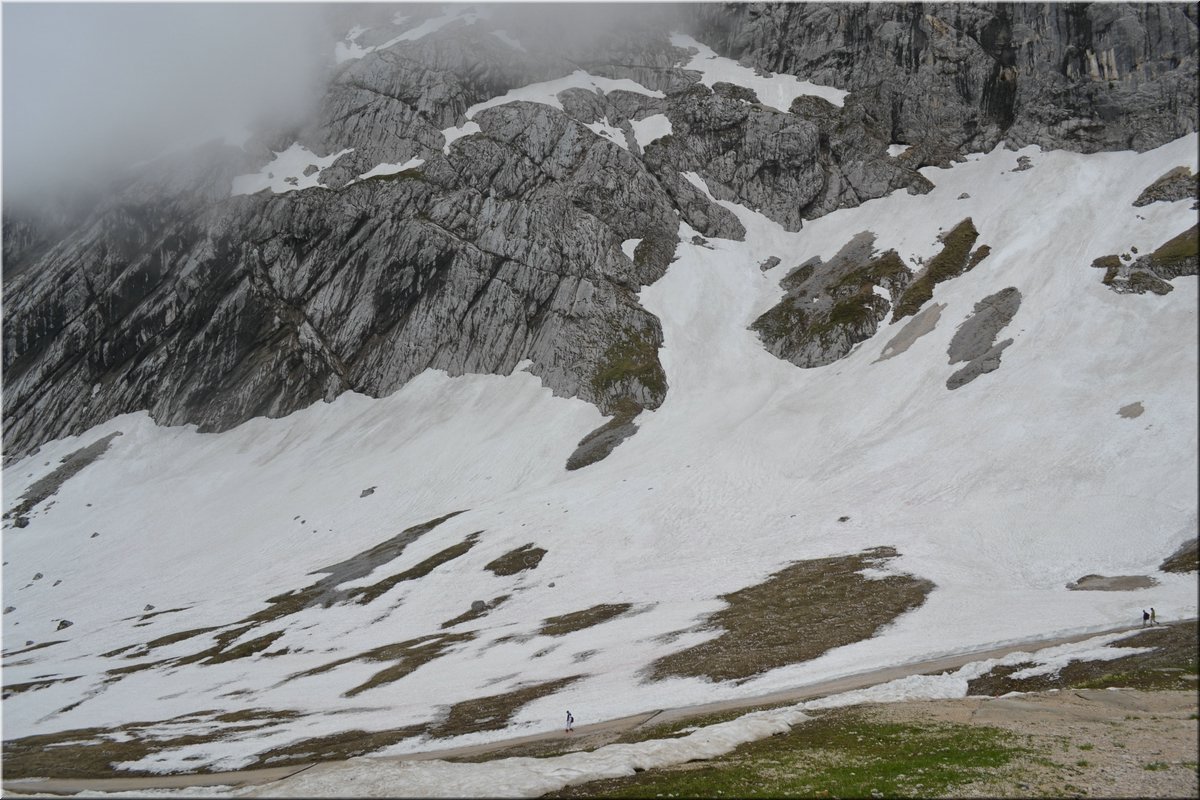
[
  {"x": 650, "y": 128},
  {"x": 546, "y": 93},
  {"x": 388, "y": 169},
  {"x": 895, "y": 150},
  {"x": 285, "y": 172},
  {"x": 777, "y": 91}
]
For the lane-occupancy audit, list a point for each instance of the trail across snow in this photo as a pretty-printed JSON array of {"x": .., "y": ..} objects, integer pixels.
[{"x": 1000, "y": 492}]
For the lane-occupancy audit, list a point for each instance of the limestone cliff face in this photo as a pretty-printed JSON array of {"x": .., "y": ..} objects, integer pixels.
[
  {"x": 951, "y": 78},
  {"x": 171, "y": 294}
]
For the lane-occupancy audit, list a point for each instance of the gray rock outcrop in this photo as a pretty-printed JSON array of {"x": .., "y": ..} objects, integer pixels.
[
  {"x": 975, "y": 340},
  {"x": 829, "y": 307},
  {"x": 1152, "y": 272},
  {"x": 167, "y": 294},
  {"x": 954, "y": 78},
  {"x": 1177, "y": 184}
]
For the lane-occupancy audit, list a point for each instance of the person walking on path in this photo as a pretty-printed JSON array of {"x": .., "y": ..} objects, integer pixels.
[
  {"x": 1145, "y": 617},
  {"x": 1153, "y": 620},
  {"x": 570, "y": 722}
]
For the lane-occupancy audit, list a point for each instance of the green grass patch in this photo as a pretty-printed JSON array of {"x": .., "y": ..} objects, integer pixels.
[
  {"x": 1177, "y": 253},
  {"x": 632, "y": 359},
  {"x": 527, "y": 556},
  {"x": 843, "y": 753},
  {"x": 797, "y": 614},
  {"x": 949, "y": 263},
  {"x": 578, "y": 620}
]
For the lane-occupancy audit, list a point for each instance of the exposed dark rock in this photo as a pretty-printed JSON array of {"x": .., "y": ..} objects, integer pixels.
[
  {"x": 478, "y": 606},
  {"x": 1178, "y": 184},
  {"x": 830, "y": 307},
  {"x": 960, "y": 77},
  {"x": 370, "y": 490},
  {"x": 1152, "y": 271},
  {"x": 1023, "y": 163},
  {"x": 66, "y": 623},
  {"x": 598, "y": 444},
  {"x": 954, "y": 259},
  {"x": 1185, "y": 559},
  {"x": 48, "y": 485}
]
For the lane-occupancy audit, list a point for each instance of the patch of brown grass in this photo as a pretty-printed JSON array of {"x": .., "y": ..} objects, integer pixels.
[
  {"x": 1171, "y": 665},
  {"x": 493, "y": 713},
  {"x": 472, "y": 614},
  {"x": 1185, "y": 559},
  {"x": 525, "y": 557},
  {"x": 578, "y": 620},
  {"x": 797, "y": 614},
  {"x": 368, "y": 593}
]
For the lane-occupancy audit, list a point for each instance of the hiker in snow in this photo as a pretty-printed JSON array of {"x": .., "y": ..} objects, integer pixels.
[
  {"x": 1153, "y": 621},
  {"x": 1145, "y": 617},
  {"x": 570, "y": 722}
]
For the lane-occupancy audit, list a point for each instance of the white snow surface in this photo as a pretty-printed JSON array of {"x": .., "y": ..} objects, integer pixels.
[
  {"x": 546, "y": 92},
  {"x": 388, "y": 169},
  {"x": 898, "y": 149},
  {"x": 648, "y": 129},
  {"x": 285, "y": 172},
  {"x": 777, "y": 91},
  {"x": 350, "y": 49},
  {"x": 1000, "y": 492}
]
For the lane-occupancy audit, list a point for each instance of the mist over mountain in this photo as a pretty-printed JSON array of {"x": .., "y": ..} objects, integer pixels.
[{"x": 382, "y": 378}]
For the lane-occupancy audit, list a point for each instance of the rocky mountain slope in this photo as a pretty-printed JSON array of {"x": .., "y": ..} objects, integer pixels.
[
  {"x": 173, "y": 296},
  {"x": 532, "y": 375}
]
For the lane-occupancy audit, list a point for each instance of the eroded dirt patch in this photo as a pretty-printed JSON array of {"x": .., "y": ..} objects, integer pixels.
[{"x": 797, "y": 614}]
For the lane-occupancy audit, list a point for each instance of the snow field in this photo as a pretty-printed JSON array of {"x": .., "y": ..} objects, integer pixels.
[{"x": 999, "y": 492}]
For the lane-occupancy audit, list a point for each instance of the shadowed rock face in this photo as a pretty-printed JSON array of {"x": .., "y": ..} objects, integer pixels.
[
  {"x": 168, "y": 294},
  {"x": 951, "y": 78}
]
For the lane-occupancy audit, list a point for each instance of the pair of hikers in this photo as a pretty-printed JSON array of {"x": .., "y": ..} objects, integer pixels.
[{"x": 1148, "y": 618}]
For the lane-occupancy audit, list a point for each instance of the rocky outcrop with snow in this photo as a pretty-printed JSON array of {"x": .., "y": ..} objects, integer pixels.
[{"x": 459, "y": 199}]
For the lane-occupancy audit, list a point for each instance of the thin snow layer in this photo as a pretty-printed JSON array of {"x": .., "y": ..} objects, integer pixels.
[
  {"x": 777, "y": 91},
  {"x": 613, "y": 134},
  {"x": 629, "y": 246},
  {"x": 350, "y": 49},
  {"x": 1001, "y": 492},
  {"x": 650, "y": 128},
  {"x": 546, "y": 92},
  {"x": 388, "y": 169},
  {"x": 507, "y": 38},
  {"x": 285, "y": 172},
  {"x": 527, "y": 777}
]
